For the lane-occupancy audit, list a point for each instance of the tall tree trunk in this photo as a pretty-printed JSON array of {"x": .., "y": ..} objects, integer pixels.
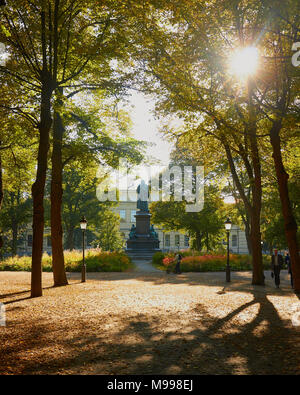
[
  {"x": 290, "y": 224},
  {"x": 58, "y": 263},
  {"x": 253, "y": 210},
  {"x": 247, "y": 233},
  {"x": 255, "y": 238},
  {"x": 1, "y": 198},
  {"x": 207, "y": 241},
  {"x": 258, "y": 277},
  {"x": 38, "y": 190},
  {"x": 198, "y": 241}
]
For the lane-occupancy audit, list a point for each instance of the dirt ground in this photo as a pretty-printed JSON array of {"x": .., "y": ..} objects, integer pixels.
[{"x": 149, "y": 323}]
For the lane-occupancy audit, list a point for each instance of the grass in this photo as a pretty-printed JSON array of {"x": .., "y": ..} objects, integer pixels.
[
  {"x": 206, "y": 262},
  {"x": 96, "y": 261}
]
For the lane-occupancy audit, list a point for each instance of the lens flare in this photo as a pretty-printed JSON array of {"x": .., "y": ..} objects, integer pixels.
[{"x": 244, "y": 62}]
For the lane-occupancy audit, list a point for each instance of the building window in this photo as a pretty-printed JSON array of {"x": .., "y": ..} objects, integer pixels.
[
  {"x": 234, "y": 241},
  {"x": 29, "y": 240},
  {"x": 132, "y": 215},
  {"x": 167, "y": 240},
  {"x": 177, "y": 240},
  {"x": 186, "y": 240},
  {"x": 123, "y": 215}
]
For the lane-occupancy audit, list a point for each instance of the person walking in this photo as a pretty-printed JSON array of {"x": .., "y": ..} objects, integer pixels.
[
  {"x": 287, "y": 260},
  {"x": 178, "y": 259},
  {"x": 276, "y": 266}
]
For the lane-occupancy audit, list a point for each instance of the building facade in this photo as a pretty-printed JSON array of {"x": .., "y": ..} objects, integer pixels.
[
  {"x": 237, "y": 241},
  {"x": 169, "y": 241},
  {"x": 25, "y": 244}
]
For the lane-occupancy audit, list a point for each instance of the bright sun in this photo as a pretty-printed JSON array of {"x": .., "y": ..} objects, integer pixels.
[{"x": 244, "y": 62}]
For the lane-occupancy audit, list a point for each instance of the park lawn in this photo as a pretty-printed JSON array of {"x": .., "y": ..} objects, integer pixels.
[
  {"x": 206, "y": 262},
  {"x": 96, "y": 261}
]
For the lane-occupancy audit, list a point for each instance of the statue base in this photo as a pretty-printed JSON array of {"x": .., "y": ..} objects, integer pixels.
[{"x": 143, "y": 241}]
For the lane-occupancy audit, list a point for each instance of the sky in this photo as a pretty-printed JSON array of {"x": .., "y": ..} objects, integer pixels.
[{"x": 145, "y": 127}]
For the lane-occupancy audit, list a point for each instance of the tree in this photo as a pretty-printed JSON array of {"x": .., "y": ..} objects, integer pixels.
[
  {"x": 51, "y": 44},
  {"x": 272, "y": 217},
  {"x": 281, "y": 103},
  {"x": 16, "y": 173},
  {"x": 95, "y": 136},
  {"x": 205, "y": 227},
  {"x": 107, "y": 231},
  {"x": 188, "y": 54}
]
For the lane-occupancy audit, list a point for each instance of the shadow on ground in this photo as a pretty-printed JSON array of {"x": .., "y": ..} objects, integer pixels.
[{"x": 265, "y": 345}]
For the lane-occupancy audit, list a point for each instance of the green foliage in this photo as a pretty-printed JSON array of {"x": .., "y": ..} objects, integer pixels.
[
  {"x": 107, "y": 231},
  {"x": 96, "y": 261},
  {"x": 157, "y": 258},
  {"x": 205, "y": 227},
  {"x": 272, "y": 219}
]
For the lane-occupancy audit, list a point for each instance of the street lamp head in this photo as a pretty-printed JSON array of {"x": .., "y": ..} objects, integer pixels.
[
  {"x": 83, "y": 223},
  {"x": 228, "y": 224}
]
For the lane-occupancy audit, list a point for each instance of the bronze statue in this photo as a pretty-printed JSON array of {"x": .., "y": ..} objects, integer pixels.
[
  {"x": 132, "y": 233},
  {"x": 153, "y": 233},
  {"x": 143, "y": 195}
]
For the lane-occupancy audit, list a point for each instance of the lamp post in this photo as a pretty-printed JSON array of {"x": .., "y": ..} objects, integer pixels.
[
  {"x": 83, "y": 224},
  {"x": 228, "y": 227}
]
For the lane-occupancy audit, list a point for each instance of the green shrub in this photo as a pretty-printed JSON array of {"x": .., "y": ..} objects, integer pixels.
[
  {"x": 96, "y": 261},
  {"x": 157, "y": 259}
]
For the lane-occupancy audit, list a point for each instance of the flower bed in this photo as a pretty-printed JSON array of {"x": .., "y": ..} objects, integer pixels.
[
  {"x": 206, "y": 262},
  {"x": 96, "y": 261}
]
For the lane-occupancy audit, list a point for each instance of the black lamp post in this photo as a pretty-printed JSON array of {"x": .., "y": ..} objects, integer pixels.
[
  {"x": 83, "y": 224},
  {"x": 228, "y": 227}
]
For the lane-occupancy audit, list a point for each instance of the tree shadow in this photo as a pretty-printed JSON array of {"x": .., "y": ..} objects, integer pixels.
[
  {"x": 12, "y": 294},
  {"x": 4, "y": 296},
  {"x": 240, "y": 281},
  {"x": 141, "y": 344}
]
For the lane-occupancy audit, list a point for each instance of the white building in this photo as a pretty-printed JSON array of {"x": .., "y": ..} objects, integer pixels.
[
  {"x": 238, "y": 241},
  {"x": 168, "y": 240}
]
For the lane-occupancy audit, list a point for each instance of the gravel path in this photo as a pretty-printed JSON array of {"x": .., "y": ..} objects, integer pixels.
[
  {"x": 149, "y": 323},
  {"x": 145, "y": 267}
]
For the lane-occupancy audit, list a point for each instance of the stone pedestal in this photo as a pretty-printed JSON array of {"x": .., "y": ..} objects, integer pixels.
[
  {"x": 143, "y": 240},
  {"x": 142, "y": 224}
]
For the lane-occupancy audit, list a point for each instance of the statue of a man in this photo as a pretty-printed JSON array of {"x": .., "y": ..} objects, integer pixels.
[{"x": 143, "y": 195}]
